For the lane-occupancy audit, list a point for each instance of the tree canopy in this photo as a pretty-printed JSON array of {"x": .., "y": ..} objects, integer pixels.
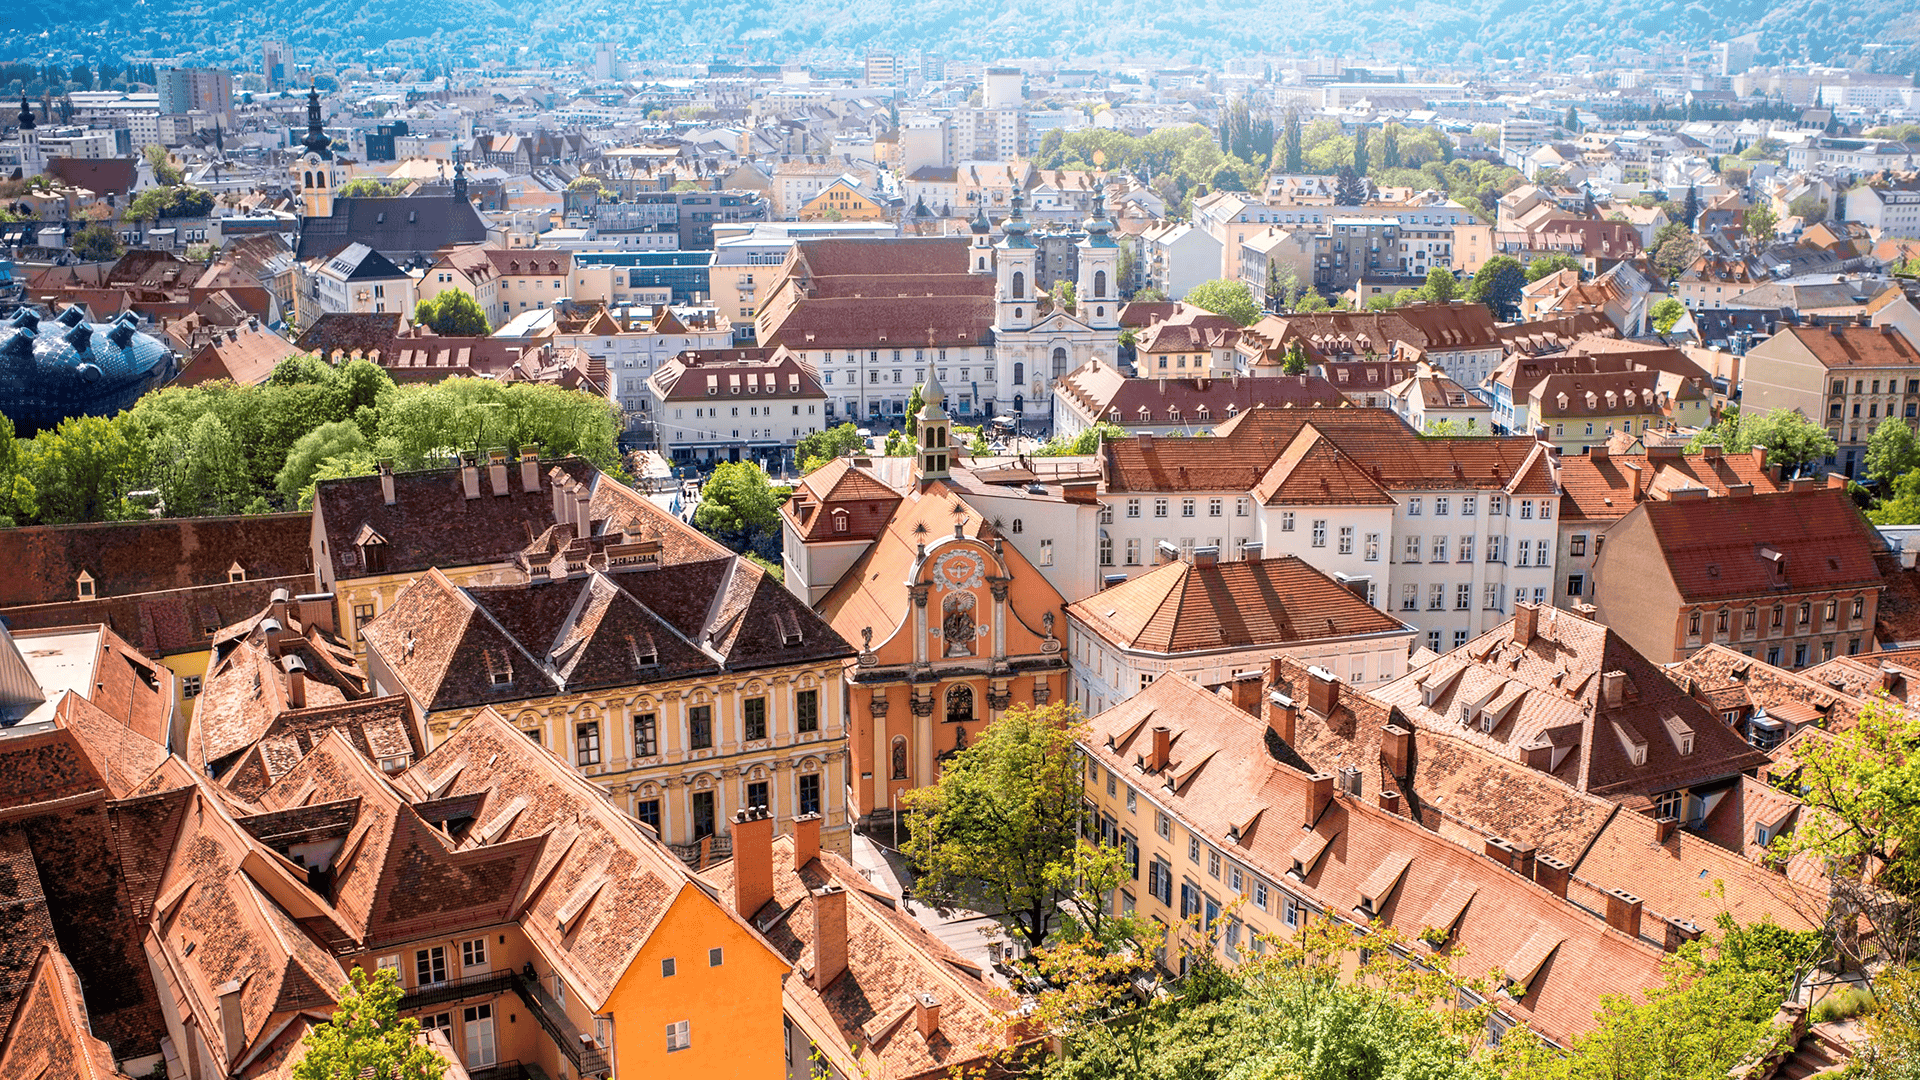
[
  {"x": 453, "y": 313},
  {"x": 1497, "y": 284},
  {"x": 367, "y": 1036},
  {"x": 740, "y": 507},
  {"x": 819, "y": 447},
  {"x": 1000, "y": 829},
  {"x": 1666, "y": 314},
  {"x": 1230, "y": 298},
  {"x": 1792, "y": 440},
  {"x": 1553, "y": 264}
]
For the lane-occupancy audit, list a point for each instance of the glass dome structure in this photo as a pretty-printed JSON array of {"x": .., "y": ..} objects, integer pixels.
[{"x": 51, "y": 369}]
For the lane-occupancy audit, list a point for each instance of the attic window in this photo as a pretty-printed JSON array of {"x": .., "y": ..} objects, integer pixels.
[
  {"x": 569, "y": 914},
  {"x": 397, "y": 763},
  {"x": 236, "y": 573},
  {"x": 84, "y": 585}
]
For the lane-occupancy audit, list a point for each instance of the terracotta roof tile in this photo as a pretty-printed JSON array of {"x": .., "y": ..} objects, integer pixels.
[{"x": 1719, "y": 548}]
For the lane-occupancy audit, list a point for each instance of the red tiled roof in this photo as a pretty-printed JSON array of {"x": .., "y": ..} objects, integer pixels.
[
  {"x": 50, "y": 1035},
  {"x": 1716, "y": 548},
  {"x": 1604, "y": 487},
  {"x": 1180, "y": 608},
  {"x": 1850, "y": 346},
  {"x": 131, "y": 557},
  {"x": 1313, "y": 471}
]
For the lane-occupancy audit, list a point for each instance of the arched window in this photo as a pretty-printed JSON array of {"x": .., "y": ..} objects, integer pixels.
[
  {"x": 1019, "y": 373},
  {"x": 899, "y": 757},
  {"x": 1099, "y": 284},
  {"x": 960, "y": 705},
  {"x": 1100, "y": 312},
  {"x": 1019, "y": 313},
  {"x": 1016, "y": 525},
  {"x": 1019, "y": 285},
  {"x": 1059, "y": 362},
  {"x": 983, "y": 262},
  {"x": 309, "y": 179},
  {"x": 1019, "y": 403}
]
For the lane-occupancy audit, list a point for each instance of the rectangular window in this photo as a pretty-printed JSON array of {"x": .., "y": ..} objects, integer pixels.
[
  {"x": 1193, "y": 850},
  {"x": 1133, "y": 551},
  {"x": 715, "y": 957},
  {"x": 430, "y": 966},
  {"x": 1577, "y": 545},
  {"x": 810, "y": 793},
  {"x": 1468, "y": 505},
  {"x": 679, "y": 1035},
  {"x": 1213, "y": 864},
  {"x": 1463, "y": 597},
  {"x": 1133, "y": 508},
  {"x": 1163, "y": 825},
  {"x": 753, "y": 718},
  {"x": 586, "y": 743},
  {"x": 1214, "y": 507},
  {"x": 1290, "y": 911},
  {"x": 1319, "y": 532},
  {"x": 473, "y": 955},
  {"x": 1046, "y": 553},
  {"x": 704, "y": 822},
  {"x": 1106, "y": 513},
  {"x": 646, "y": 735},
  {"x": 1373, "y": 547},
  {"x": 189, "y": 686},
  {"x": 700, "y": 727},
  {"x": 1346, "y": 539},
  {"x": 757, "y": 795},
  {"x": 806, "y": 711},
  {"x": 1159, "y": 508},
  {"x": 1413, "y": 506},
  {"x": 647, "y": 811},
  {"x": 1412, "y": 553},
  {"x": 1493, "y": 598},
  {"x": 1187, "y": 508},
  {"x": 1286, "y": 521},
  {"x": 1576, "y": 584},
  {"x": 1242, "y": 506},
  {"x": 1409, "y": 597},
  {"x": 1260, "y": 895},
  {"x": 1466, "y": 547},
  {"x": 478, "y": 1022},
  {"x": 1439, "y": 549},
  {"x": 1526, "y": 554},
  {"x": 1436, "y": 597}
]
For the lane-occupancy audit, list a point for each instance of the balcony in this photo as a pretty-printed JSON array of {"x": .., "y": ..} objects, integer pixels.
[
  {"x": 587, "y": 1056},
  {"x": 491, "y": 984}
]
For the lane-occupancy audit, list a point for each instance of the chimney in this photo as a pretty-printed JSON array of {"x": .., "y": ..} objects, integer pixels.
[
  {"x": 316, "y": 609},
  {"x": 1390, "y": 801},
  {"x": 530, "y": 468},
  {"x": 1145, "y": 440},
  {"x": 1613, "y": 689},
  {"x": 1552, "y": 875},
  {"x": 829, "y": 935},
  {"x": 1396, "y": 746},
  {"x": 1500, "y": 851},
  {"x": 1835, "y": 480},
  {"x": 1623, "y": 912},
  {"x": 1281, "y": 715},
  {"x": 1246, "y": 692},
  {"x": 1323, "y": 691},
  {"x": 1597, "y": 453},
  {"x": 469, "y": 476},
  {"x": 1162, "y": 748},
  {"x": 497, "y": 471},
  {"x": 1319, "y": 794},
  {"x": 233, "y": 1025},
  {"x": 1739, "y": 491},
  {"x": 926, "y": 1014},
  {"x": 279, "y": 607},
  {"x": 1679, "y": 932},
  {"x": 562, "y": 499},
  {"x": 752, "y": 861},
  {"x": 386, "y": 481},
  {"x": 806, "y": 839},
  {"x": 1526, "y": 618},
  {"x": 1663, "y": 828},
  {"x": 1711, "y": 451},
  {"x": 297, "y": 689},
  {"x": 1523, "y": 859},
  {"x": 582, "y": 500}
]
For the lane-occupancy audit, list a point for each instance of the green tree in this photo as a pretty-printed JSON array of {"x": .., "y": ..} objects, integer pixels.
[
  {"x": 336, "y": 439},
  {"x": 1675, "y": 247},
  {"x": 1001, "y": 827},
  {"x": 1230, "y": 298},
  {"x": 1064, "y": 296},
  {"x": 82, "y": 470},
  {"x": 1761, "y": 222},
  {"x": 1892, "y": 450},
  {"x": 1360, "y": 164},
  {"x": 96, "y": 243},
  {"x": 1497, "y": 284},
  {"x": 16, "y": 491},
  {"x": 820, "y": 447},
  {"x": 1553, "y": 264},
  {"x": 1666, "y": 314},
  {"x": 453, "y": 313},
  {"x": 202, "y": 469},
  {"x": 1293, "y": 148},
  {"x": 164, "y": 170},
  {"x": 1442, "y": 287},
  {"x": 1808, "y": 208},
  {"x": 740, "y": 507},
  {"x": 371, "y": 187},
  {"x": 1892, "y": 1048},
  {"x": 1087, "y": 442},
  {"x": 1792, "y": 440},
  {"x": 367, "y": 1036}
]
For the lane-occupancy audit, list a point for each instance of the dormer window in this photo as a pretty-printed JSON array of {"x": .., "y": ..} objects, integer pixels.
[
  {"x": 236, "y": 573},
  {"x": 83, "y": 585}
]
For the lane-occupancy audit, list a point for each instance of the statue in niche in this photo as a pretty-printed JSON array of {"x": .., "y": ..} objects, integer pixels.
[
  {"x": 956, "y": 623},
  {"x": 900, "y": 758}
]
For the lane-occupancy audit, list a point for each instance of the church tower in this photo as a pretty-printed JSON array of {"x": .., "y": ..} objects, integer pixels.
[
  {"x": 1097, "y": 293},
  {"x": 1013, "y": 265},
  {"x": 931, "y": 429},
  {"x": 31, "y": 162},
  {"x": 980, "y": 255},
  {"x": 314, "y": 174},
  {"x": 459, "y": 176}
]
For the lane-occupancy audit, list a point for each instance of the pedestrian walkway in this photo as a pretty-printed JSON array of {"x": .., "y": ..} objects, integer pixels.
[{"x": 977, "y": 937}]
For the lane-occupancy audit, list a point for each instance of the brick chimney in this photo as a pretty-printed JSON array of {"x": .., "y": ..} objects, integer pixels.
[
  {"x": 1282, "y": 716},
  {"x": 1663, "y": 828},
  {"x": 829, "y": 935},
  {"x": 1500, "y": 851},
  {"x": 1323, "y": 691},
  {"x": 497, "y": 471},
  {"x": 1390, "y": 801},
  {"x": 1319, "y": 794},
  {"x": 926, "y": 1014},
  {"x": 1396, "y": 748},
  {"x": 530, "y": 468},
  {"x": 296, "y": 688},
  {"x": 1526, "y": 620},
  {"x": 1613, "y": 689},
  {"x": 1523, "y": 859},
  {"x": 1246, "y": 692},
  {"x": 1552, "y": 875},
  {"x": 1623, "y": 912},
  {"x": 806, "y": 839},
  {"x": 752, "y": 861},
  {"x": 386, "y": 481},
  {"x": 469, "y": 476},
  {"x": 1679, "y": 932},
  {"x": 1162, "y": 748}
]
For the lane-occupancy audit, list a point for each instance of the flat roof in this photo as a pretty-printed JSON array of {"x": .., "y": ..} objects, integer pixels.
[{"x": 61, "y": 661}]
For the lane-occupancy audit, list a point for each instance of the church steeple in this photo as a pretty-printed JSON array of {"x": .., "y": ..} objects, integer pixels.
[
  {"x": 30, "y": 159},
  {"x": 26, "y": 114},
  {"x": 316, "y": 141},
  {"x": 459, "y": 175},
  {"x": 931, "y": 427}
]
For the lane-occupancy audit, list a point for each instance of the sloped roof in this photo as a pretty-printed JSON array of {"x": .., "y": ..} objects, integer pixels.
[
  {"x": 1713, "y": 548},
  {"x": 50, "y": 1035},
  {"x": 399, "y": 228},
  {"x": 1604, "y": 487},
  {"x": 1182, "y": 608},
  {"x": 1314, "y": 471}
]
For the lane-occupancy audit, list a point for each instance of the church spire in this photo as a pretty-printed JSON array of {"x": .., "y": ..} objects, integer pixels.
[
  {"x": 316, "y": 141},
  {"x": 26, "y": 114},
  {"x": 933, "y": 424},
  {"x": 459, "y": 175}
]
